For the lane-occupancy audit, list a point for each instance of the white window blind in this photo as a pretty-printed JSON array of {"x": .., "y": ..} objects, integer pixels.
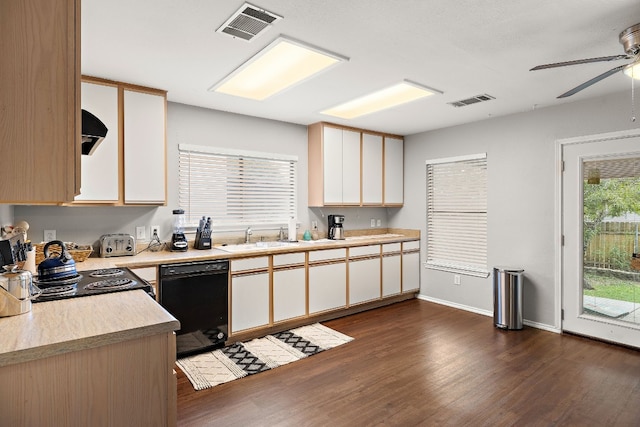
[
  {"x": 457, "y": 214},
  {"x": 236, "y": 188}
]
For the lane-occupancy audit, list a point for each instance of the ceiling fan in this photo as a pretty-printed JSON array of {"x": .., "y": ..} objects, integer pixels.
[{"x": 630, "y": 40}]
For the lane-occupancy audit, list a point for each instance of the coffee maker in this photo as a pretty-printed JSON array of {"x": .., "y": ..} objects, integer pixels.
[
  {"x": 178, "y": 240},
  {"x": 336, "y": 231}
]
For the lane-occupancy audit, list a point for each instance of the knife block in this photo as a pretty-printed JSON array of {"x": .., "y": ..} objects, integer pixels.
[{"x": 203, "y": 240}]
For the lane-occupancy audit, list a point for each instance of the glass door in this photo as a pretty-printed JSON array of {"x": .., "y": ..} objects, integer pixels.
[{"x": 600, "y": 220}]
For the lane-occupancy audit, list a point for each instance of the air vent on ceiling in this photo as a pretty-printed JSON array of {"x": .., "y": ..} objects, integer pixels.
[
  {"x": 472, "y": 100},
  {"x": 248, "y": 22}
]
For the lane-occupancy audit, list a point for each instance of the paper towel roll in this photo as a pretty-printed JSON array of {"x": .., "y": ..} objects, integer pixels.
[{"x": 292, "y": 230}]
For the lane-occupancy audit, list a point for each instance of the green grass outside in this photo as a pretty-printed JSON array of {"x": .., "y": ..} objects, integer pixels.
[{"x": 613, "y": 288}]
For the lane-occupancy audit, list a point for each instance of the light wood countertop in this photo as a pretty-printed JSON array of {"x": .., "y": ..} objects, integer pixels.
[
  {"x": 152, "y": 259},
  {"x": 57, "y": 327}
]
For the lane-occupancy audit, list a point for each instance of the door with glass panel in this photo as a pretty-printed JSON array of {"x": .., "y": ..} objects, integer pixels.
[{"x": 601, "y": 253}]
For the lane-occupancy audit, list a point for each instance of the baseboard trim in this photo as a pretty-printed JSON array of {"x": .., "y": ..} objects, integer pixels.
[{"x": 488, "y": 313}]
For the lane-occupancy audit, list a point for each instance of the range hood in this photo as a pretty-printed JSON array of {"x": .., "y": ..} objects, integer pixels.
[{"x": 93, "y": 132}]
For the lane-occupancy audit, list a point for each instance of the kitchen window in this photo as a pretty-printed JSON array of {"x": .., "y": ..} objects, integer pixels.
[
  {"x": 236, "y": 188},
  {"x": 457, "y": 215}
]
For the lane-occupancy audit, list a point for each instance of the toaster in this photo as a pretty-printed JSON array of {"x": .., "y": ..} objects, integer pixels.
[{"x": 112, "y": 245}]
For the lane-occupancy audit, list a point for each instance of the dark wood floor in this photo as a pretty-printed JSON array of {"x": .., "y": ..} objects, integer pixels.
[{"x": 419, "y": 363}]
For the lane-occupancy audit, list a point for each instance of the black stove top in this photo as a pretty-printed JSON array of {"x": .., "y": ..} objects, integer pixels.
[{"x": 92, "y": 282}]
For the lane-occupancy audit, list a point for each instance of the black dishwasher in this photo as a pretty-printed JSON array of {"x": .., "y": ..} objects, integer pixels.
[{"x": 196, "y": 293}]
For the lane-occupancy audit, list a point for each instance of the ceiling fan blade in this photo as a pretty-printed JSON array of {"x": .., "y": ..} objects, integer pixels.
[
  {"x": 592, "y": 81},
  {"x": 580, "y": 61}
]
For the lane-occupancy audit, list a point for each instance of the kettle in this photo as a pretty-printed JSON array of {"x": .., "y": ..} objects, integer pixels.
[
  {"x": 58, "y": 267},
  {"x": 16, "y": 291}
]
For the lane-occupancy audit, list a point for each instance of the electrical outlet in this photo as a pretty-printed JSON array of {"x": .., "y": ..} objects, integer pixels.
[
  {"x": 379, "y": 223},
  {"x": 373, "y": 222},
  {"x": 49, "y": 235},
  {"x": 155, "y": 230},
  {"x": 456, "y": 279},
  {"x": 141, "y": 233}
]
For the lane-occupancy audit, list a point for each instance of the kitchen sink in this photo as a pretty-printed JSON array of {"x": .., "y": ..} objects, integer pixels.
[{"x": 258, "y": 246}]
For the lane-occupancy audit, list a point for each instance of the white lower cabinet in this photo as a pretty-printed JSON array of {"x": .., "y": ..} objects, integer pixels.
[
  {"x": 289, "y": 294},
  {"x": 364, "y": 280},
  {"x": 327, "y": 287},
  {"x": 410, "y": 271},
  {"x": 249, "y": 301},
  {"x": 391, "y": 275}
]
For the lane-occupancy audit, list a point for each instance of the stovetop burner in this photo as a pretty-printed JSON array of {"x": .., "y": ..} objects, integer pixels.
[
  {"x": 111, "y": 284},
  {"x": 93, "y": 282},
  {"x": 58, "y": 291},
  {"x": 107, "y": 272}
]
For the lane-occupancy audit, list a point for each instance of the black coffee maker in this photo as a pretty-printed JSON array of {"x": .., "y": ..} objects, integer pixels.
[{"x": 336, "y": 230}]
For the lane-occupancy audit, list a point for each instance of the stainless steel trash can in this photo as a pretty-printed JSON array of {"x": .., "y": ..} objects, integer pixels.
[{"x": 507, "y": 297}]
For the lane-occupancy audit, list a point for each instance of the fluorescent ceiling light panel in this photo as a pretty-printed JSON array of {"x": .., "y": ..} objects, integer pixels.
[
  {"x": 398, "y": 94},
  {"x": 280, "y": 65}
]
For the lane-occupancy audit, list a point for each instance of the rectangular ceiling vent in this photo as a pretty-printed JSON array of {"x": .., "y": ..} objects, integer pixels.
[
  {"x": 248, "y": 22},
  {"x": 472, "y": 100}
]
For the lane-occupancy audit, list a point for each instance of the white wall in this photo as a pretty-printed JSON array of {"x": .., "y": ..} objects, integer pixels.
[
  {"x": 193, "y": 125},
  {"x": 521, "y": 183}
]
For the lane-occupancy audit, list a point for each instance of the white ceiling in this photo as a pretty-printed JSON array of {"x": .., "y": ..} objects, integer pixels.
[{"x": 463, "y": 48}]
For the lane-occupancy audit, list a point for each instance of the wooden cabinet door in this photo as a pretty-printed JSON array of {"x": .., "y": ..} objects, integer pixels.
[
  {"x": 371, "y": 169},
  {"x": 327, "y": 287},
  {"x": 289, "y": 294},
  {"x": 249, "y": 301},
  {"x": 100, "y": 171},
  {"x": 393, "y": 171},
  {"x": 40, "y": 101},
  {"x": 144, "y": 148}
]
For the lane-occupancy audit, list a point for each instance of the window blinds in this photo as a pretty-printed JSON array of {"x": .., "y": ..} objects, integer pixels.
[
  {"x": 236, "y": 188},
  {"x": 457, "y": 214}
]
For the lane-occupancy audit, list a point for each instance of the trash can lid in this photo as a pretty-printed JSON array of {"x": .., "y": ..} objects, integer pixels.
[{"x": 509, "y": 269}]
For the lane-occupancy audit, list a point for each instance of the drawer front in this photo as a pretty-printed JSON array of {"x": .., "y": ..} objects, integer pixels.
[
  {"x": 407, "y": 246},
  {"x": 288, "y": 259},
  {"x": 328, "y": 254},
  {"x": 364, "y": 250},
  {"x": 259, "y": 263},
  {"x": 391, "y": 247}
]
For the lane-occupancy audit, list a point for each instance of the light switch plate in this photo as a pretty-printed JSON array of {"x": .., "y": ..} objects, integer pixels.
[
  {"x": 141, "y": 233},
  {"x": 373, "y": 222},
  {"x": 49, "y": 235}
]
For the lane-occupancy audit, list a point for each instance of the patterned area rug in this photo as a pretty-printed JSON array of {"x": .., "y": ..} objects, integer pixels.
[{"x": 209, "y": 369}]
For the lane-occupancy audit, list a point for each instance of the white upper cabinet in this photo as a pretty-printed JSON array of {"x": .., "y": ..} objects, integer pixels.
[
  {"x": 371, "y": 169},
  {"x": 350, "y": 167},
  {"x": 341, "y": 166},
  {"x": 129, "y": 165},
  {"x": 100, "y": 173},
  {"x": 144, "y": 148},
  {"x": 393, "y": 171}
]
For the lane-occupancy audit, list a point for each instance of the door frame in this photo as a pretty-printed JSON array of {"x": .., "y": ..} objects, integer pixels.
[{"x": 557, "y": 234}]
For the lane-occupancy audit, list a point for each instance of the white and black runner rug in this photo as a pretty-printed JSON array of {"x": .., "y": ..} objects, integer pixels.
[{"x": 241, "y": 359}]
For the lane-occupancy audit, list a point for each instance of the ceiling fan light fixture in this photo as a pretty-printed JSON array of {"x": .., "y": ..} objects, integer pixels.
[
  {"x": 633, "y": 70},
  {"x": 398, "y": 94},
  {"x": 282, "y": 64}
]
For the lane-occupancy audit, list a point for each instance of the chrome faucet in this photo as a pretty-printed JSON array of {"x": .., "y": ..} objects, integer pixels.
[{"x": 247, "y": 235}]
